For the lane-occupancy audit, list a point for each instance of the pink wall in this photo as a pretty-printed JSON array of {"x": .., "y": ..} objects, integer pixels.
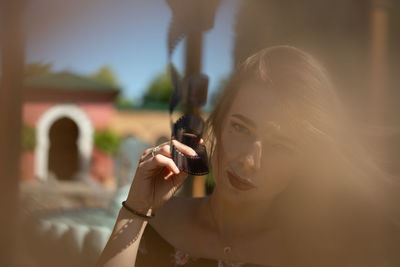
[
  {"x": 32, "y": 112},
  {"x": 100, "y": 114}
]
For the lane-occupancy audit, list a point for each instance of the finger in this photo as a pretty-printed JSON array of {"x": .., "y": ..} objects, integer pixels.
[
  {"x": 184, "y": 148},
  {"x": 161, "y": 160},
  {"x": 170, "y": 173},
  {"x": 145, "y": 154},
  {"x": 179, "y": 179},
  {"x": 201, "y": 141},
  {"x": 164, "y": 149}
]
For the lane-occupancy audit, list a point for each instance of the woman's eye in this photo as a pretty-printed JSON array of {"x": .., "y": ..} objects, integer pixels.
[{"x": 240, "y": 128}]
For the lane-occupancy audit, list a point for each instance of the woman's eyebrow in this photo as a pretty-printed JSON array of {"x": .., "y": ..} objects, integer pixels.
[
  {"x": 245, "y": 119},
  {"x": 276, "y": 135}
]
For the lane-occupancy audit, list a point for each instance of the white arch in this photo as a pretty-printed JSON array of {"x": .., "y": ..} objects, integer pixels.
[{"x": 85, "y": 137}]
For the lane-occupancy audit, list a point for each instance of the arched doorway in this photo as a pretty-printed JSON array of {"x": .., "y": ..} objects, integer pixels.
[
  {"x": 84, "y": 140},
  {"x": 63, "y": 151}
]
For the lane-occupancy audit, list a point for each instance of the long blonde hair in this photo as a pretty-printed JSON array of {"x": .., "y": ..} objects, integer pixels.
[{"x": 342, "y": 210}]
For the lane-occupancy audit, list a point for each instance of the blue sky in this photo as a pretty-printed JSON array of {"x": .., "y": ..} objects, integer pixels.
[{"x": 128, "y": 35}]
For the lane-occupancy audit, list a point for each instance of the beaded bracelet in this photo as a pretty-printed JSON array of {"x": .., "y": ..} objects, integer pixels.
[{"x": 137, "y": 213}]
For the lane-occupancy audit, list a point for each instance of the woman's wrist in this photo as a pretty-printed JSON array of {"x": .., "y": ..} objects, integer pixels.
[
  {"x": 139, "y": 206},
  {"x": 143, "y": 214}
]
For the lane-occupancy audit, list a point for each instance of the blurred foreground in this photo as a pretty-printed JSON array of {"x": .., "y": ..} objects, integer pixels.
[{"x": 63, "y": 186}]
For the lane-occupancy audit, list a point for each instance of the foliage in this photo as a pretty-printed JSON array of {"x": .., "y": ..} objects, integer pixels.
[
  {"x": 122, "y": 102},
  {"x": 107, "y": 76},
  {"x": 159, "y": 91},
  {"x": 28, "y": 138},
  {"x": 210, "y": 181},
  {"x": 37, "y": 68},
  {"x": 107, "y": 141}
]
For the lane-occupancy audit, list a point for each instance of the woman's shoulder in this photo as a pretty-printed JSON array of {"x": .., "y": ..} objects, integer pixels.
[
  {"x": 166, "y": 233},
  {"x": 153, "y": 250},
  {"x": 156, "y": 251},
  {"x": 177, "y": 215},
  {"x": 178, "y": 205},
  {"x": 176, "y": 236}
]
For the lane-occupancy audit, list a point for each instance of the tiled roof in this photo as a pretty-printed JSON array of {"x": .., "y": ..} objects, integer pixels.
[{"x": 66, "y": 81}]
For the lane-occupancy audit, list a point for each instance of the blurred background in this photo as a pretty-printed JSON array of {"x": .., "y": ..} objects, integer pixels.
[{"x": 85, "y": 90}]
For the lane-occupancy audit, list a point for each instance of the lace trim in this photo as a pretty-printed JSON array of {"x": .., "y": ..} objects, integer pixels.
[
  {"x": 181, "y": 258},
  {"x": 226, "y": 263}
]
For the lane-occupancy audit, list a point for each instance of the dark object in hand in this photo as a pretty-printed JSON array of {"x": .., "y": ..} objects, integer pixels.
[{"x": 188, "y": 130}]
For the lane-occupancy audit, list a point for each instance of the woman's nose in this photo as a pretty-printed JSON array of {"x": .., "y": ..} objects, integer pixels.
[{"x": 251, "y": 159}]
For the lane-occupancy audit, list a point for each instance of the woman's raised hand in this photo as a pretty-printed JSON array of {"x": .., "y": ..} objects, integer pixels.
[{"x": 157, "y": 177}]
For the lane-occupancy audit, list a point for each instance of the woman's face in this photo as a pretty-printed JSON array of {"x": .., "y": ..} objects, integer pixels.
[{"x": 258, "y": 151}]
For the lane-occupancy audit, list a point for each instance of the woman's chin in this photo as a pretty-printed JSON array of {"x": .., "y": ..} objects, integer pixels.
[{"x": 231, "y": 194}]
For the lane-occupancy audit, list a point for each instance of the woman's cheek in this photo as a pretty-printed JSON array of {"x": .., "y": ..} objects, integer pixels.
[
  {"x": 277, "y": 175},
  {"x": 229, "y": 144}
]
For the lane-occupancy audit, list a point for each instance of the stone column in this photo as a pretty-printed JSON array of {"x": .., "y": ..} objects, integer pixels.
[
  {"x": 379, "y": 61},
  {"x": 12, "y": 53}
]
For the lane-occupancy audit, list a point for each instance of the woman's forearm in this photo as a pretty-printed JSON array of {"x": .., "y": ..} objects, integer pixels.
[
  {"x": 122, "y": 246},
  {"x": 156, "y": 179}
]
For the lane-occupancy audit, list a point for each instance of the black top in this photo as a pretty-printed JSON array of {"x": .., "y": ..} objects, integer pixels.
[{"x": 155, "y": 251}]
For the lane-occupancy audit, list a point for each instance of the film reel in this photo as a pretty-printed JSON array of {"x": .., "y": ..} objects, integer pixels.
[{"x": 189, "y": 16}]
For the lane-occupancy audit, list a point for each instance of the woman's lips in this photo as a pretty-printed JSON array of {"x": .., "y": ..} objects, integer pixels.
[{"x": 239, "y": 182}]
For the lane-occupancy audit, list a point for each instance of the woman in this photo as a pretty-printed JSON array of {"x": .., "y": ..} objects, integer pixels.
[{"x": 294, "y": 186}]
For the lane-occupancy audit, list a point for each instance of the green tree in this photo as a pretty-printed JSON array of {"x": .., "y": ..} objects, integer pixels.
[
  {"x": 123, "y": 102},
  {"x": 37, "y": 68},
  {"x": 28, "y": 138},
  {"x": 107, "y": 76},
  {"x": 158, "y": 92},
  {"x": 107, "y": 141},
  {"x": 210, "y": 181}
]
